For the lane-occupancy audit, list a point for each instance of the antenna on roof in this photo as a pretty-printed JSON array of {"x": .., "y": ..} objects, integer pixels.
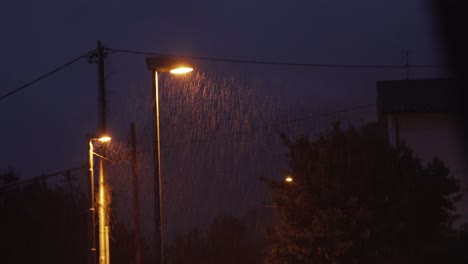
[{"x": 407, "y": 65}]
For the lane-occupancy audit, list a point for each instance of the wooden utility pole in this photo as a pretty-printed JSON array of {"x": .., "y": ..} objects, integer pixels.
[
  {"x": 102, "y": 126},
  {"x": 102, "y": 205},
  {"x": 101, "y": 89},
  {"x": 136, "y": 204}
]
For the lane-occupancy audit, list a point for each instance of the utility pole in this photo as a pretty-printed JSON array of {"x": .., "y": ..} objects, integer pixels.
[
  {"x": 102, "y": 127},
  {"x": 102, "y": 204},
  {"x": 136, "y": 204},
  {"x": 101, "y": 89},
  {"x": 102, "y": 215}
]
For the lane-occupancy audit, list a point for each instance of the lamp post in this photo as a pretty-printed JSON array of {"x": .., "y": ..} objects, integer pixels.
[
  {"x": 155, "y": 65},
  {"x": 102, "y": 206}
]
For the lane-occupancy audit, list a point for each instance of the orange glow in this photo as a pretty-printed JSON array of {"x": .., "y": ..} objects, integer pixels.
[
  {"x": 104, "y": 139},
  {"x": 289, "y": 179},
  {"x": 181, "y": 70}
]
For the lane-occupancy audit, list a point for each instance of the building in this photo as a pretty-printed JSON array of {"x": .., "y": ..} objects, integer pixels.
[{"x": 426, "y": 115}]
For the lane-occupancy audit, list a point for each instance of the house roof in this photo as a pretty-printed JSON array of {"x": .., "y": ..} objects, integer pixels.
[{"x": 423, "y": 95}]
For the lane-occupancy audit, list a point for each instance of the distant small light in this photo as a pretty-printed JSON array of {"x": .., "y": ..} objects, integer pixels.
[
  {"x": 104, "y": 139},
  {"x": 288, "y": 179},
  {"x": 181, "y": 70}
]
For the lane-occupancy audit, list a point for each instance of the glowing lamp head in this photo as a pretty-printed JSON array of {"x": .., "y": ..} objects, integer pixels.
[
  {"x": 181, "y": 70},
  {"x": 104, "y": 139},
  {"x": 168, "y": 64},
  {"x": 288, "y": 179}
]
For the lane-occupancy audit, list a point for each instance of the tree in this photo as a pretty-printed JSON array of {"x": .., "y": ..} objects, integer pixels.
[
  {"x": 44, "y": 223},
  {"x": 226, "y": 241},
  {"x": 41, "y": 223},
  {"x": 357, "y": 199},
  {"x": 122, "y": 243}
]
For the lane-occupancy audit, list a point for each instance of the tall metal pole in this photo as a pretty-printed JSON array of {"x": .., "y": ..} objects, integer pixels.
[
  {"x": 92, "y": 222},
  {"x": 136, "y": 203},
  {"x": 157, "y": 172}
]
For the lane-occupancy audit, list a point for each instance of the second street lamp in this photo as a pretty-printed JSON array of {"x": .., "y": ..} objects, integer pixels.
[
  {"x": 289, "y": 179},
  {"x": 102, "y": 205},
  {"x": 155, "y": 65}
]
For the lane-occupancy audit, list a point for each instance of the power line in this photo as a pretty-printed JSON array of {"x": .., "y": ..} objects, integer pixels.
[
  {"x": 292, "y": 121},
  {"x": 257, "y": 129},
  {"x": 43, "y": 177},
  {"x": 45, "y": 75},
  {"x": 271, "y": 125},
  {"x": 205, "y": 140},
  {"x": 278, "y": 63}
]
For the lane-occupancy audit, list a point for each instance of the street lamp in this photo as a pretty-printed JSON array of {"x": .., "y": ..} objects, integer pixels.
[
  {"x": 102, "y": 215},
  {"x": 289, "y": 179},
  {"x": 104, "y": 139},
  {"x": 155, "y": 65}
]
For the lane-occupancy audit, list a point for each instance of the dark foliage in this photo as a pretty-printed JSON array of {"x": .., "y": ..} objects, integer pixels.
[
  {"x": 356, "y": 199},
  {"x": 40, "y": 223},
  {"x": 226, "y": 241}
]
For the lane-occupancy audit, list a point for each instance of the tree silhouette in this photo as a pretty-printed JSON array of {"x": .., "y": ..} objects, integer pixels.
[
  {"x": 356, "y": 199},
  {"x": 226, "y": 241},
  {"x": 42, "y": 224}
]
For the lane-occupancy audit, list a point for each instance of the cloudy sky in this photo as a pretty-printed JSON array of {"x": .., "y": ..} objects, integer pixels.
[{"x": 43, "y": 127}]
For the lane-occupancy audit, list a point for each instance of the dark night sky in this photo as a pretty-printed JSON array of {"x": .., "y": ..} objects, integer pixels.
[{"x": 43, "y": 127}]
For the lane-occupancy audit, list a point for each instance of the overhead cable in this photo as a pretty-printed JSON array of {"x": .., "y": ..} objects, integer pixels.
[
  {"x": 43, "y": 177},
  {"x": 10, "y": 93},
  {"x": 316, "y": 65},
  {"x": 271, "y": 125}
]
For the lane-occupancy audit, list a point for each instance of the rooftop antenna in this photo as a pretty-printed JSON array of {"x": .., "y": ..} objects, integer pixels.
[{"x": 407, "y": 65}]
